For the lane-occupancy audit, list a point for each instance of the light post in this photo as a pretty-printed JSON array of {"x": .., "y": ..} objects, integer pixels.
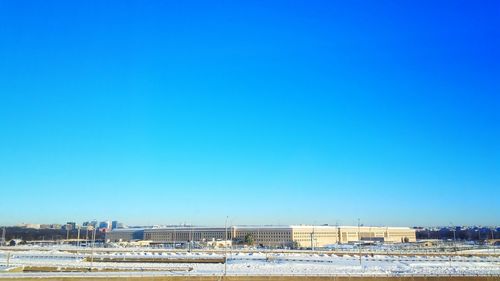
[
  {"x": 67, "y": 233},
  {"x": 92, "y": 250},
  {"x": 359, "y": 242},
  {"x": 231, "y": 236},
  {"x": 313, "y": 237},
  {"x": 225, "y": 247},
  {"x": 78, "y": 238},
  {"x": 175, "y": 236},
  {"x": 454, "y": 236},
  {"x": 2, "y": 242},
  {"x": 258, "y": 235},
  {"x": 190, "y": 238}
]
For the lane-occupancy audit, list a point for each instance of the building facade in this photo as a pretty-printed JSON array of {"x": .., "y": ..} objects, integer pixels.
[
  {"x": 125, "y": 235},
  {"x": 296, "y": 236},
  {"x": 186, "y": 234}
]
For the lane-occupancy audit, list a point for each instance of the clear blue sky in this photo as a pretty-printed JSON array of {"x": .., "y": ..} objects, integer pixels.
[{"x": 266, "y": 111}]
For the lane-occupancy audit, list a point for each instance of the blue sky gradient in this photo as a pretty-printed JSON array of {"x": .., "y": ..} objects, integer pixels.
[{"x": 274, "y": 112}]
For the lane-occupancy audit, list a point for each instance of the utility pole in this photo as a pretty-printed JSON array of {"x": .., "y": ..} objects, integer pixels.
[
  {"x": 190, "y": 237},
  {"x": 78, "y": 238},
  {"x": 225, "y": 247},
  {"x": 175, "y": 235},
  {"x": 454, "y": 236},
  {"x": 258, "y": 235},
  {"x": 359, "y": 242},
  {"x": 231, "y": 236},
  {"x": 454, "y": 232},
  {"x": 337, "y": 230},
  {"x": 92, "y": 251},
  {"x": 312, "y": 239},
  {"x": 2, "y": 243},
  {"x": 225, "y": 229}
]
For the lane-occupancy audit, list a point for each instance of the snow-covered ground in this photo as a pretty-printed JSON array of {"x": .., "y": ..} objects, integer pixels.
[
  {"x": 264, "y": 263},
  {"x": 406, "y": 248}
]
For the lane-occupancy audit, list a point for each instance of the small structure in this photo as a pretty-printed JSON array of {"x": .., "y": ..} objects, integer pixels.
[
  {"x": 218, "y": 243},
  {"x": 494, "y": 242},
  {"x": 134, "y": 243},
  {"x": 428, "y": 243},
  {"x": 15, "y": 242}
]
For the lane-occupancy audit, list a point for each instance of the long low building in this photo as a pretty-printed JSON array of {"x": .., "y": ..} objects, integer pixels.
[
  {"x": 125, "y": 235},
  {"x": 295, "y": 236}
]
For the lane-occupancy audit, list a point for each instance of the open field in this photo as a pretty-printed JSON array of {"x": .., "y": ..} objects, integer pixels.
[
  {"x": 392, "y": 250},
  {"x": 259, "y": 278},
  {"x": 266, "y": 265}
]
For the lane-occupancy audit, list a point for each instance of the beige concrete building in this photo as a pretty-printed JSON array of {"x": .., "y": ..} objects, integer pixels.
[
  {"x": 296, "y": 236},
  {"x": 268, "y": 236},
  {"x": 185, "y": 234},
  {"x": 307, "y": 236},
  {"x": 125, "y": 235},
  {"x": 383, "y": 234}
]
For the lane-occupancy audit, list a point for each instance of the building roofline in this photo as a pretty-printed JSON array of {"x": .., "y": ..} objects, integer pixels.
[{"x": 219, "y": 228}]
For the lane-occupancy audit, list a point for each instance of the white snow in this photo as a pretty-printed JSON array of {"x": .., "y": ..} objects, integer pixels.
[{"x": 264, "y": 263}]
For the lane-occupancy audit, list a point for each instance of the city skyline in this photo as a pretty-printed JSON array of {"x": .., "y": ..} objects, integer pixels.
[
  {"x": 269, "y": 113},
  {"x": 121, "y": 224}
]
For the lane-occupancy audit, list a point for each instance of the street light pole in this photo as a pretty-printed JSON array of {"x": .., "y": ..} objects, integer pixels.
[
  {"x": 359, "y": 242},
  {"x": 175, "y": 236},
  {"x": 454, "y": 236},
  {"x": 78, "y": 238},
  {"x": 92, "y": 251},
  {"x": 190, "y": 237},
  {"x": 2, "y": 242},
  {"x": 225, "y": 247}
]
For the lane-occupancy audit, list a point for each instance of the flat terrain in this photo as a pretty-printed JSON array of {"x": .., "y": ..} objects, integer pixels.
[
  {"x": 260, "y": 278},
  {"x": 131, "y": 264}
]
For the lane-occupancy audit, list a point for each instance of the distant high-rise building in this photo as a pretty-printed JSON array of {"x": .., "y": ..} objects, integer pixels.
[
  {"x": 50, "y": 226},
  {"x": 114, "y": 224},
  {"x": 70, "y": 226},
  {"x": 104, "y": 225},
  {"x": 31, "y": 225}
]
